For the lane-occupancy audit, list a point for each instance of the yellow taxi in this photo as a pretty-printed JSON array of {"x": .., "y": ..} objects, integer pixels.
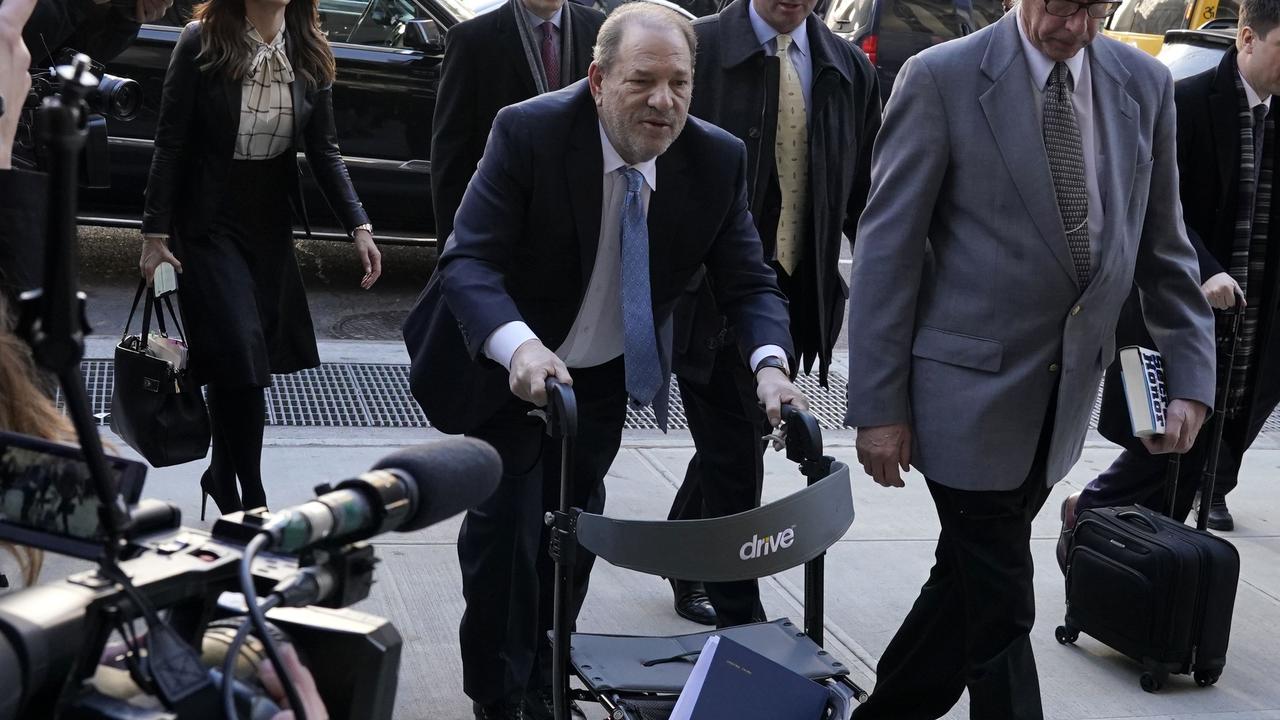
[{"x": 1142, "y": 23}]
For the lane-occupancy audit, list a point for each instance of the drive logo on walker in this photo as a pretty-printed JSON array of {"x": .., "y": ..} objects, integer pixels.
[{"x": 758, "y": 547}]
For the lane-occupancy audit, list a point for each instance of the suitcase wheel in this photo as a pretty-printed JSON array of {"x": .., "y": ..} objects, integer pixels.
[
  {"x": 1066, "y": 634},
  {"x": 1151, "y": 682},
  {"x": 1205, "y": 678}
]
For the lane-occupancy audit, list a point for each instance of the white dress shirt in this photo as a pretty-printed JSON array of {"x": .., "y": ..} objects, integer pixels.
[
  {"x": 266, "y": 101},
  {"x": 800, "y": 57},
  {"x": 535, "y": 21},
  {"x": 1254, "y": 98},
  {"x": 596, "y": 335},
  {"x": 1040, "y": 66}
]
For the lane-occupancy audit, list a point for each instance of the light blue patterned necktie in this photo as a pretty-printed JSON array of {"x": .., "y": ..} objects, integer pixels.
[{"x": 639, "y": 341}]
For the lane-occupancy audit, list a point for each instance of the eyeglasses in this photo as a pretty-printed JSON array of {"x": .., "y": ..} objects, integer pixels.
[{"x": 1068, "y": 8}]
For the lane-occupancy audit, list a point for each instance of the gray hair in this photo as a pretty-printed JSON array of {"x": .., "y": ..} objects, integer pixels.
[{"x": 639, "y": 13}]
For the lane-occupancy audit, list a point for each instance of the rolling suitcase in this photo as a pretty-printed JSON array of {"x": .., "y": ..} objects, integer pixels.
[{"x": 1153, "y": 588}]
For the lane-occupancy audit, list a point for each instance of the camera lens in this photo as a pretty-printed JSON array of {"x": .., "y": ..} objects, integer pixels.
[{"x": 118, "y": 97}]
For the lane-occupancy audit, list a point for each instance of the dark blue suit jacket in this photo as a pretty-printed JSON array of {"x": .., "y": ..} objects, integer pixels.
[{"x": 525, "y": 239}]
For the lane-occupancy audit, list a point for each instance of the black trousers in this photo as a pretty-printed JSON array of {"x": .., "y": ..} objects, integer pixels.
[
  {"x": 507, "y": 574},
  {"x": 1140, "y": 478},
  {"x": 971, "y": 625},
  {"x": 726, "y": 471}
]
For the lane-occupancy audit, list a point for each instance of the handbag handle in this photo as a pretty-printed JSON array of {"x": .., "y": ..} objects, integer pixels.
[
  {"x": 150, "y": 307},
  {"x": 137, "y": 297}
]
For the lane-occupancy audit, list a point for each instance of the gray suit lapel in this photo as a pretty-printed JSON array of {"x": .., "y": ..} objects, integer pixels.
[
  {"x": 1115, "y": 117},
  {"x": 1019, "y": 137}
]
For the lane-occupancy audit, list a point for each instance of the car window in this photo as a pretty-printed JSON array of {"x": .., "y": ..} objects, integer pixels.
[
  {"x": 931, "y": 17},
  {"x": 1227, "y": 10},
  {"x": 383, "y": 23},
  {"x": 1150, "y": 17},
  {"x": 339, "y": 17}
]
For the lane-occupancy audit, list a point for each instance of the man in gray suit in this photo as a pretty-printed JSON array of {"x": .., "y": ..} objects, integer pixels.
[{"x": 1024, "y": 178}]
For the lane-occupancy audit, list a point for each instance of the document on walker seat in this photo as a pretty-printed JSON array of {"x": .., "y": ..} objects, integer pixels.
[{"x": 731, "y": 681}]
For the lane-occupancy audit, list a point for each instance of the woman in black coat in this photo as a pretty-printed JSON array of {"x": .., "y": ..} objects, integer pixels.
[{"x": 249, "y": 84}]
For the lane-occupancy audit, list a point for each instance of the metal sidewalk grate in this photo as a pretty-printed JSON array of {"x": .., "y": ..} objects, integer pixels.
[{"x": 377, "y": 395}]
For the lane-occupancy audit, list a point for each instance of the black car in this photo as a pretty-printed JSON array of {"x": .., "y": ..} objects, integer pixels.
[
  {"x": 890, "y": 31},
  {"x": 388, "y": 55}
]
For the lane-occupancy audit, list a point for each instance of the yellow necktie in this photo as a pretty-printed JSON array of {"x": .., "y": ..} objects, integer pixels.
[{"x": 791, "y": 151}]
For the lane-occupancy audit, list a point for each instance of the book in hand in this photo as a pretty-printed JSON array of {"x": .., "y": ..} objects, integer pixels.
[
  {"x": 1143, "y": 373},
  {"x": 731, "y": 681}
]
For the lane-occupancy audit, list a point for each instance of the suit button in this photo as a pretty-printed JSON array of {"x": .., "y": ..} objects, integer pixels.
[
  {"x": 1053, "y": 367},
  {"x": 1075, "y": 311},
  {"x": 753, "y": 133}
]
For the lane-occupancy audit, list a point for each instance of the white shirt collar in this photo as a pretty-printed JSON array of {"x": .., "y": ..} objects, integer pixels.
[
  {"x": 1041, "y": 65},
  {"x": 256, "y": 36},
  {"x": 765, "y": 32},
  {"x": 535, "y": 22},
  {"x": 613, "y": 161},
  {"x": 1252, "y": 95}
]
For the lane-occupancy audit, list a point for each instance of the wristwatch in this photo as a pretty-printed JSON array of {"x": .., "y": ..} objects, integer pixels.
[
  {"x": 366, "y": 227},
  {"x": 770, "y": 361}
]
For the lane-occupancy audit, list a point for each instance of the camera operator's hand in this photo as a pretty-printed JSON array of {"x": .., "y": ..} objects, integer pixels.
[
  {"x": 155, "y": 250},
  {"x": 302, "y": 682},
  {"x": 151, "y": 10},
  {"x": 14, "y": 79}
]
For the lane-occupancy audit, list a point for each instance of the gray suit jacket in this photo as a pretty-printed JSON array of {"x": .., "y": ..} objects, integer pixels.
[{"x": 964, "y": 312}]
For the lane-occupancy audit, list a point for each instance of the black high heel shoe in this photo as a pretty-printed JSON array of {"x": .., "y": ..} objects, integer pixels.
[{"x": 224, "y": 498}]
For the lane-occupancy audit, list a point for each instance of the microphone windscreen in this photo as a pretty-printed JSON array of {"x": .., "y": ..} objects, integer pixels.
[{"x": 451, "y": 475}]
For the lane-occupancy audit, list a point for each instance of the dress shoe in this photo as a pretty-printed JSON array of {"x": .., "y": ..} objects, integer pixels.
[
  {"x": 540, "y": 705},
  {"x": 1219, "y": 516},
  {"x": 1068, "y": 515},
  {"x": 692, "y": 603},
  {"x": 499, "y": 711}
]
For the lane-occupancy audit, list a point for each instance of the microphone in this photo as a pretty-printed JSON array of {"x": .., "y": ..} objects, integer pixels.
[{"x": 405, "y": 491}]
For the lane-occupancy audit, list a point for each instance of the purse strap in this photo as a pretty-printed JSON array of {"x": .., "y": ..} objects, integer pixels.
[
  {"x": 152, "y": 308},
  {"x": 179, "y": 320},
  {"x": 137, "y": 297}
]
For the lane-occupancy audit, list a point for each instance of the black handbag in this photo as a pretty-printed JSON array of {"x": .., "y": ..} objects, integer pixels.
[{"x": 157, "y": 409}]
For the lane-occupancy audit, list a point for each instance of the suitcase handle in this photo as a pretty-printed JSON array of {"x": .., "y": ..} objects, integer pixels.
[{"x": 1139, "y": 518}]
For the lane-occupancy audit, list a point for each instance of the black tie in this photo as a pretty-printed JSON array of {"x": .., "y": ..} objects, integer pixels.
[{"x": 1066, "y": 164}]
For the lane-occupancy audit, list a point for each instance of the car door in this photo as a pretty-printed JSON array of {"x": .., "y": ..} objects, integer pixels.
[
  {"x": 130, "y": 142},
  {"x": 384, "y": 98}
]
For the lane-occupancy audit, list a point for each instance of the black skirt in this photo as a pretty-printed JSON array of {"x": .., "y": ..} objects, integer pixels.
[{"x": 241, "y": 289}]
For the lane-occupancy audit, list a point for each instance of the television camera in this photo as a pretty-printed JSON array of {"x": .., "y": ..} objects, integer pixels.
[{"x": 136, "y": 636}]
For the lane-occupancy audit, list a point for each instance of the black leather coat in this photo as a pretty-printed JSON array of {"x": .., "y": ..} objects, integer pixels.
[{"x": 195, "y": 143}]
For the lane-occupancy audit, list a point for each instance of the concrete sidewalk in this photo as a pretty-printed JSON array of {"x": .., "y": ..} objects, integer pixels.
[{"x": 873, "y": 573}]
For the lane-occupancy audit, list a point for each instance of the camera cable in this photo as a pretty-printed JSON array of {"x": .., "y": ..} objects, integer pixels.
[{"x": 258, "y": 619}]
